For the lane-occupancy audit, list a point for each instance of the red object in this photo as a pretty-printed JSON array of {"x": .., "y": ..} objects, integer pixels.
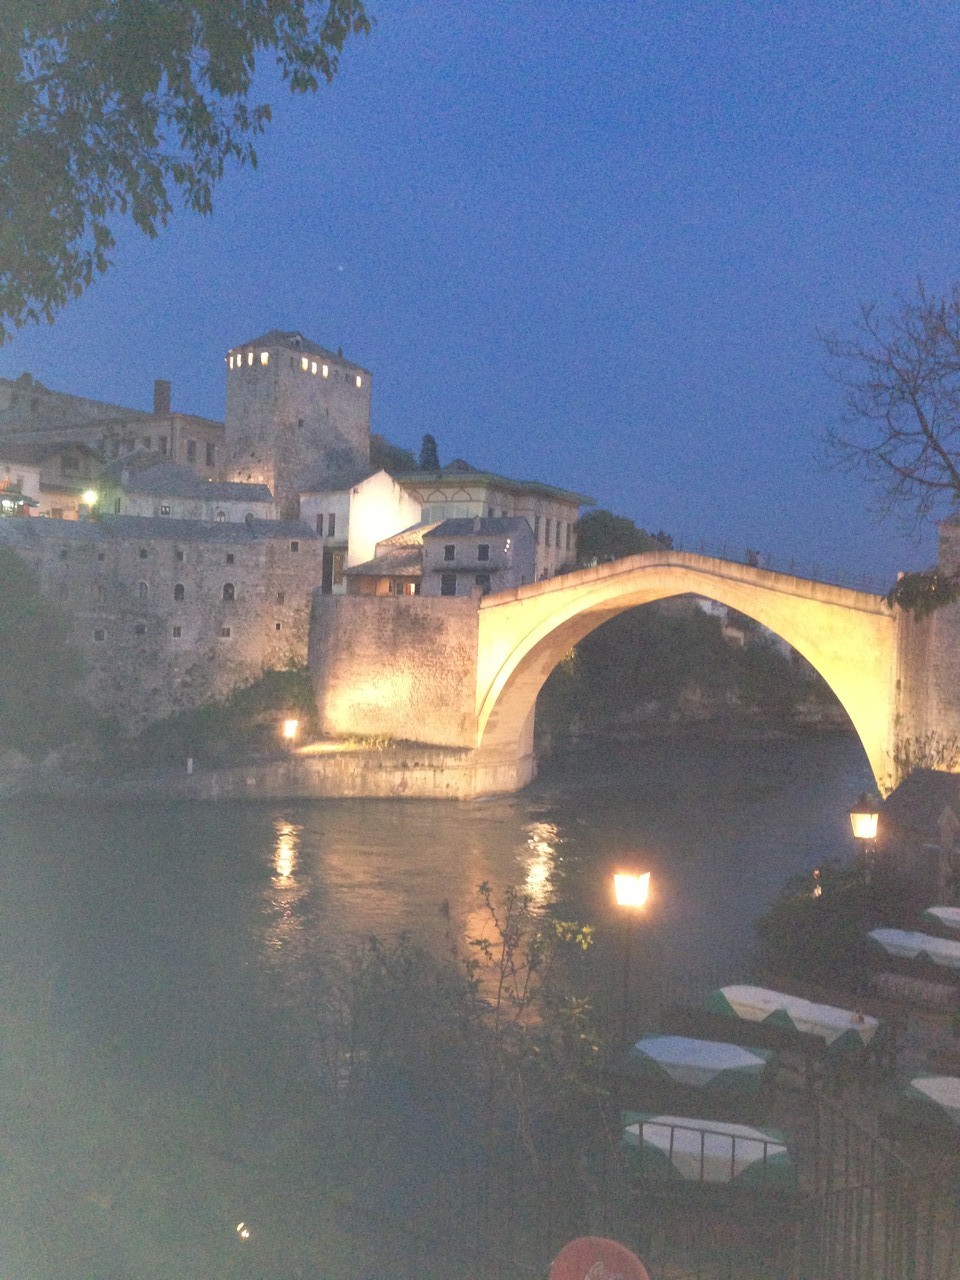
[{"x": 593, "y": 1258}]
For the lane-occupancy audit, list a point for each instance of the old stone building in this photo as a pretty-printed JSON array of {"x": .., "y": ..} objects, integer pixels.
[
  {"x": 171, "y": 613},
  {"x": 460, "y": 491},
  {"x": 296, "y": 413},
  {"x": 191, "y": 570}
]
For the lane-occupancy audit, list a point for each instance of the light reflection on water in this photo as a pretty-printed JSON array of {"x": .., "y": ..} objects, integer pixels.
[{"x": 169, "y": 923}]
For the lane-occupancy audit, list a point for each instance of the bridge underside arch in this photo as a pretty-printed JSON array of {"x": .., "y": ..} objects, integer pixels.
[{"x": 849, "y": 637}]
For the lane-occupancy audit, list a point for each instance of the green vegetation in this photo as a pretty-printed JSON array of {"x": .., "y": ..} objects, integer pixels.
[
  {"x": 40, "y": 671},
  {"x": 602, "y": 536},
  {"x": 650, "y": 667},
  {"x": 247, "y": 722},
  {"x": 114, "y": 107},
  {"x": 391, "y": 458},
  {"x": 821, "y": 937}
]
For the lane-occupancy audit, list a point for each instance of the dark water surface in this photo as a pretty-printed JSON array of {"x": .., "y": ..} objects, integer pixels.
[{"x": 167, "y": 929}]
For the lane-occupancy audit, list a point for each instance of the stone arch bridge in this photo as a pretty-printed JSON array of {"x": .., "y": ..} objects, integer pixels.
[{"x": 465, "y": 674}]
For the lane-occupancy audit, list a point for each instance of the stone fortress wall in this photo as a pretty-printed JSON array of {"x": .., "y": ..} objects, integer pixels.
[{"x": 170, "y": 614}]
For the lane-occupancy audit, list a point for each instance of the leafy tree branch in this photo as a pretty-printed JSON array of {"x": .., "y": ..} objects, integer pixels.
[{"x": 115, "y": 107}]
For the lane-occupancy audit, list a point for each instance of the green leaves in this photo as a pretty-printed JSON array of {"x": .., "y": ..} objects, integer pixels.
[
  {"x": 115, "y": 107},
  {"x": 924, "y": 593}
]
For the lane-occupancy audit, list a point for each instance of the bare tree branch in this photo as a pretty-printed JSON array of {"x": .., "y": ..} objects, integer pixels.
[{"x": 900, "y": 376}]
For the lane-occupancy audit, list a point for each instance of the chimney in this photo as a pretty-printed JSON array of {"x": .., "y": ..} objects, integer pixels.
[{"x": 161, "y": 396}]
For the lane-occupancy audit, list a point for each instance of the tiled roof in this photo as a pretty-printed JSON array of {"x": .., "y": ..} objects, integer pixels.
[
  {"x": 33, "y": 453},
  {"x": 479, "y": 526},
  {"x": 468, "y": 475},
  {"x": 145, "y": 473},
  {"x": 920, "y": 800},
  {"x": 392, "y": 561},
  {"x": 39, "y": 530},
  {"x": 293, "y": 340}
]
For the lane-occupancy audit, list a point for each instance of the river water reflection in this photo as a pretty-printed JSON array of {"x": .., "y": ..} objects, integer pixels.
[{"x": 168, "y": 928}]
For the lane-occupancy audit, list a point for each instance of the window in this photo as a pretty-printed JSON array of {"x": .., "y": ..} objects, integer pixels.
[
  {"x": 191, "y": 450},
  {"x": 101, "y": 555},
  {"x": 229, "y": 557},
  {"x": 483, "y": 582},
  {"x": 64, "y": 553},
  {"x": 325, "y": 371},
  {"x": 143, "y": 553},
  {"x": 148, "y": 442},
  {"x": 162, "y": 442},
  {"x": 569, "y": 528},
  {"x": 211, "y": 451},
  {"x": 179, "y": 591},
  {"x": 99, "y": 635},
  {"x": 546, "y": 531},
  {"x": 116, "y": 505},
  {"x": 299, "y": 424},
  {"x": 56, "y": 513},
  {"x": 229, "y": 592},
  {"x": 536, "y": 528},
  {"x": 359, "y": 381},
  {"x": 280, "y": 597},
  {"x": 295, "y": 545},
  {"x": 332, "y": 524},
  {"x": 221, "y": 516},
  {"x": 557, "y": 538},
  {"x": 178, "y": 556},
  {"x": 277, "y": 626},
  {"x": 264, "y": 357},
  {"x": 304, "y": 363},
  {"x": 225, "y": 633},
  {"x": 68, "y": 463},
  {"x": 142, "y": 590},
  {"x": 101, "y": 593},
  {"x": 483, "y": 551},
  {"x": 320, "y": 525},
  {"x": 140, "y": 629},
  {"x": 449, "y": 551},
  {"x": 313, "y": 366},
  {"x": 177, "y": 632},
  {"x": 448, "y": 584},
  {"x": 164, "y": 508},
  {"x": 337, "y": 567},
  {"x": 489, "y": 513}
]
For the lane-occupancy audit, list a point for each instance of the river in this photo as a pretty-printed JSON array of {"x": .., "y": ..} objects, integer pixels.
[{"x": 162, "y": 926}]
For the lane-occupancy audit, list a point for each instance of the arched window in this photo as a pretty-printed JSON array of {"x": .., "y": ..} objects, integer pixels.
[
  {"x": 221, "y": 516},
  {"x": 142, "y": 590},
  {"x": 228, "y": 591},
  {"x": 178, "y": 591}
]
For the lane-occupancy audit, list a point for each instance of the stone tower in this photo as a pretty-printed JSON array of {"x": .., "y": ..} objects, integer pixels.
[{"x": 296, "y": 414}]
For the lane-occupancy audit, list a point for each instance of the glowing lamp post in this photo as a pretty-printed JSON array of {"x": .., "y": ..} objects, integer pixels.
[
  {"x": 290, "y": 729},
  {"x": 631, "y": 891},
  {"x": 864, "y": 817}
]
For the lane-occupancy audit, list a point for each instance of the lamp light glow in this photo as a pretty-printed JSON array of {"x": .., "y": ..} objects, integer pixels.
[
  {"x": 864, "y": 818},
  {"x": 89, "y": 496},
  {"x": 631, "y": 889},
  {"x": 290, "y": 728}
]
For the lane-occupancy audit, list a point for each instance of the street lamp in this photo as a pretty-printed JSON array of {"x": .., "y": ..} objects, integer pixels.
[
  {"x": 631, "y": 891},
  {"x": 864, "y": 817},
  {"x": 290, "y": 728}
]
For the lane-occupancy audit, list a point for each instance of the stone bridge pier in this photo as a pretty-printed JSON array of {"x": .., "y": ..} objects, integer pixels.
[{"x": 465, "y": 673}]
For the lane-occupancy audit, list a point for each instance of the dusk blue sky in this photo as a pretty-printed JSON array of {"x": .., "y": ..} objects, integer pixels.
[{"x": 589, "y": 244}]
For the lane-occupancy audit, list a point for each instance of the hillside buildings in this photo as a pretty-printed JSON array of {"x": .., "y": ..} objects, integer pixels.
[{"x": 189, "y": 553}]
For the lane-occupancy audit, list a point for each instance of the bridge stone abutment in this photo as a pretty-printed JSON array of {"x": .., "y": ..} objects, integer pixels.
[{"x": 849, "y": 637}]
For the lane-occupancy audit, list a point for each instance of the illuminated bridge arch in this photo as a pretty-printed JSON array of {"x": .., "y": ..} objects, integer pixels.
[{"x": 849, "y": 637}]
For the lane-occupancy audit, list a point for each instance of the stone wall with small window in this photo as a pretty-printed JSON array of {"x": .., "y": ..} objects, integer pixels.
[{"x": 170, "y": 614}]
